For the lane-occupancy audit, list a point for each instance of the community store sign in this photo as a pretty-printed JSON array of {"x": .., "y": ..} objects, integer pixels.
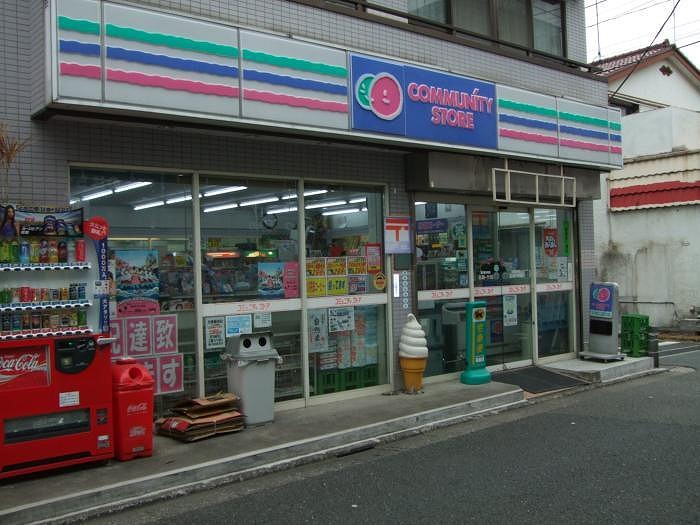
[{"x": 124, "y": 58}]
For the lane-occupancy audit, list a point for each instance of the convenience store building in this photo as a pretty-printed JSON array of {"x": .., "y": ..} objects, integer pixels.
[{"x": 260, "y": 155}]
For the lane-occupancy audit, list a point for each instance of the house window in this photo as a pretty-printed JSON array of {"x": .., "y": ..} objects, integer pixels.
[{"x": 534, "y": 24}]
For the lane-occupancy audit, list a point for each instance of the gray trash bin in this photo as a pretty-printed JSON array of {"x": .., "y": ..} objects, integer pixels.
[{"x": 251, "y": 361}]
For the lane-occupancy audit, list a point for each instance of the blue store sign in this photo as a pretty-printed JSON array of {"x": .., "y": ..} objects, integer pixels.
[{"x": 393, "y": 98}]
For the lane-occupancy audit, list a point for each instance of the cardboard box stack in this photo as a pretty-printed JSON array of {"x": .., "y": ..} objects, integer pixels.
[{"x": 202, "y": 417}]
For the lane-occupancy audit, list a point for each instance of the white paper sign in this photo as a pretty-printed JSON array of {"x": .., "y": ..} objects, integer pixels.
[
  {"x": 214, "y": 332},
  {"x": 262, "y": 319},
  {"x": 510, "y": 310},
  {"x": 341, "y": 319}
]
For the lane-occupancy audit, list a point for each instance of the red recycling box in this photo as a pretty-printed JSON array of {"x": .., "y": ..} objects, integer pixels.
[{"x": 133, "y": 409}]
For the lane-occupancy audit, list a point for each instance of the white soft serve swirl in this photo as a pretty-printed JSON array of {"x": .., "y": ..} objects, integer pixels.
[{"x": 413, "y": 342}]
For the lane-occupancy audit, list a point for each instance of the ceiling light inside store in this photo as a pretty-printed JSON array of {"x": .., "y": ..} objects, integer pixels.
[
  {"x": 263, "y": 200},
  {"x": 324, "y": 204},
  {"x": 96, "y": 195},
  {"x": 280, "y": 210},
  {"x": 175, "y": 200},
  {"x": 418, "y": 203},
  {"x": 221, "y": 191},
  {"x": 364, "y": 209},
  {"x": 359, "y": 199},
  {"x": 220, "y": 207},
  {"x": 73, "y": 201},
  {"x": 132, "y": 186},
  {"x": 147, "y": 205},
  {"x": 340, "y": 212},
  {"x": 306, "y": 194}
]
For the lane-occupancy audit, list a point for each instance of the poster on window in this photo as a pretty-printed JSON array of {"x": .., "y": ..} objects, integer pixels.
[
  {"x": 270, "y": 280},
  {"x": 137, "y": 282},
  {"x": 316, "y": 286},
  {"x": 338, "y": 285},
  {"x": 374, "y": 257},
  {"x": 291, "y": 280},
  {"x": 550, "y": 241},
  {"x": 214, "y": 333},
  {"x": 341, "y": 319},
  {"x": 164, "y": 334},
  {"x": 318, "y": 331},
  {"x": 170, "y": 374},
  {"x": 336, "y": 266},
  {"x": 510, "y": 310},
  {"x": 138, "y": 336},
  {"x": 357, "y": 265},
  {"x": 316, "y": 267},
  {"x": 239, "y": 324}
]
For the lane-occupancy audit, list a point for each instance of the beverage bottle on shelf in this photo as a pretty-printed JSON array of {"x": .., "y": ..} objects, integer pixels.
[
  {"x": 62, "y": 252},
  {"x": 34, "y": 250},
  {"x": 4, "y": 251},
  {"x": 80, "y": 250},
  {"x": 44, "y": 251},
  {"x": 70, "y": 245},
  {"x": 14, "y": 251},
  {"x": 24, "y": 252},
  {"x": 53, "y": 251}
]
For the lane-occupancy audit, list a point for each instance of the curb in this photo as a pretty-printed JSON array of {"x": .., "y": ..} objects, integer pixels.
[{"x": 174, "y": 483}]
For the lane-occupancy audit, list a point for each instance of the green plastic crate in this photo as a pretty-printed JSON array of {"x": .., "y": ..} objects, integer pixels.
[
  {"x": 370, "y": 375},
  {"x": 350, "y": 378},
  {"x": 635, "y": 334},
  {"x": 327, "y": 381}
]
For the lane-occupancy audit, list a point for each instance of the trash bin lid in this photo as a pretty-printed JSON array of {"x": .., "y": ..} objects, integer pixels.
[
  {"x": 128, "y": 374},
  {"x": 251, "y": 347}
]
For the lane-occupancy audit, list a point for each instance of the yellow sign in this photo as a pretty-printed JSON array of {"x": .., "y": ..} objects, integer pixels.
[
  {"x": 379, "y": 281},
  {"x": 338, "y": 285},
  {"x": 316, "y": 286}
]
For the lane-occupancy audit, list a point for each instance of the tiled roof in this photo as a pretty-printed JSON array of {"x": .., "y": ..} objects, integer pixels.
[
  {"x": 660, "y": 194},
  {"x": 612, "y": 65}
]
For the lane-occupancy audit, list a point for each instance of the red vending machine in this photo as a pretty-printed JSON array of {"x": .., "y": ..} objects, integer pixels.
[{"x": 55, "y": 372}]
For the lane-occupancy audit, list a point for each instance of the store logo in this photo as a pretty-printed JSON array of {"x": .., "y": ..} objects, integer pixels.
[
  {"x": 137, "y": 408},
  {"x": 602, "y": 295},
  {"x": 381, "y": 94},
  {"x": 14, "y": 366}
]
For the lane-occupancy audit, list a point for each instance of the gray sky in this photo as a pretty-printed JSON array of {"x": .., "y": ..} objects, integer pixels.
[{"x": 625, "y": 25}]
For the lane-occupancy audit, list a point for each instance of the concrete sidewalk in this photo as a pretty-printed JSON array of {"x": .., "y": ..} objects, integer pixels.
[{"x": 295, "y": 437}]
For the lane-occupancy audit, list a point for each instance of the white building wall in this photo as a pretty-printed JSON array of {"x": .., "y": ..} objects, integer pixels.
[
  {"x": 648, "y": 83},
  {"x": 660, "y": 131}
]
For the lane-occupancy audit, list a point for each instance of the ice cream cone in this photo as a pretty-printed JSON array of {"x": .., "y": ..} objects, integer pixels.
[{"x": 413, "y": 368}]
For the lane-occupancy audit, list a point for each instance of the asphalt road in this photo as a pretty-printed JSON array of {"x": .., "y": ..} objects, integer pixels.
[{"x": 627, "y": 453}]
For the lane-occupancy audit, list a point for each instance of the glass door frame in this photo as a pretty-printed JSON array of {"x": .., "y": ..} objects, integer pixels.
[
  {"x": 473, "y": 293},
  {"x": 506, "y": 289}
]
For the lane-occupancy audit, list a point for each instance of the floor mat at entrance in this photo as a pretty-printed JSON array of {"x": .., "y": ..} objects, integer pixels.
[{"x": 536, "y": 380}]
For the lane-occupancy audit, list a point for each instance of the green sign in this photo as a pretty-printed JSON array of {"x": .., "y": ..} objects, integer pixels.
[
  {"x": 566, "y": 239},
  {"x": 476, "y": 372}
]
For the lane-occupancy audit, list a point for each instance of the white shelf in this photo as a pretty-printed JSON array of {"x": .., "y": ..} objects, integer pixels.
[
  {"x": 5, "y": 267},
  {"x": 31, "y": 334},
  {"x": 44, "y": 305}
]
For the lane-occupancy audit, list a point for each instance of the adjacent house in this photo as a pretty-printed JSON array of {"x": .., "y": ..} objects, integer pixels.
[{"x": 647, "y": 221}]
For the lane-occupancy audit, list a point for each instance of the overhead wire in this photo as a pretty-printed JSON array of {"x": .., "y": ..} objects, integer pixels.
[{"x": 646, "y": 50}]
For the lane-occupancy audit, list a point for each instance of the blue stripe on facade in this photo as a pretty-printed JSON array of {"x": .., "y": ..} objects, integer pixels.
[
  {"x": 183, "y": 64},
  {"x": 602, "y": 135},
  {"x": 299, "y": 83},
  {"x": 79, "y": 48},
  {"x": 530, "y": 123},
  {"x": 616, "y": 138}
]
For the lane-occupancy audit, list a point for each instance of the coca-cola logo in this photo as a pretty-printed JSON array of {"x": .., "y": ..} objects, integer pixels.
[
  {"x": 137, "y": 432},
  {"x": 136, "y": 408},
  {"x": 14, "y": 366}
]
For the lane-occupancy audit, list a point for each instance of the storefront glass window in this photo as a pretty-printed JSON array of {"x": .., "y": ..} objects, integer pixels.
[
  {"x": 250, "y": 245},
  {"x": 553, "y": 241},
  {"x": 501, "y": 247},
  {"x": 555, "y": 267},
  {"x": 441, "y": 246},
  {"x": 343, "y": 240},
  {"x": 150, "y": 261},
  {"x": 435, "y": 10},
  {"x": 347, "y": 348},
  {"x": 444, "y": 324}
]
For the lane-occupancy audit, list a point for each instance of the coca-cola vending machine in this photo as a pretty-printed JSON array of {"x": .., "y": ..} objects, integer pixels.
[{"x": 55, "y": 373}]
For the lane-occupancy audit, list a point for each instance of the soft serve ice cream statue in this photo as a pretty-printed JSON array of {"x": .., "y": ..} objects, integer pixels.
[{"x": 413, "y": 354}]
